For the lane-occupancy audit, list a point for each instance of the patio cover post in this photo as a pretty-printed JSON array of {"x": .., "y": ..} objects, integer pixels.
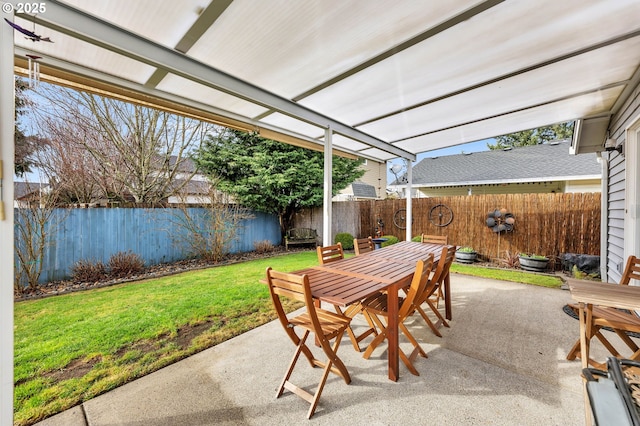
[
  {"x": 7, "y": 125},
  {"x": 409, "y": 204},
  {"x": 326, "y": 204}
]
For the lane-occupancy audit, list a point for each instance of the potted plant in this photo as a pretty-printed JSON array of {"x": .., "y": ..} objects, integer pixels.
[
  {"x": 533, "y": 262},
  {"x": 466, "y": 255}
]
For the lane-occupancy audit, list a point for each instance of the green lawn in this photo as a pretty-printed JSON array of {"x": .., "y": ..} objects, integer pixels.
[
  {"x": 73, "y": 347},
  {"x": 508, "y": 275}
]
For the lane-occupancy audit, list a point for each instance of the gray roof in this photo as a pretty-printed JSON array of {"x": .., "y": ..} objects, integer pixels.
[
  {"x": 534, "y": 163},
  {"x": 24, "y": 189},
  {"x": 363, "y": 190}
]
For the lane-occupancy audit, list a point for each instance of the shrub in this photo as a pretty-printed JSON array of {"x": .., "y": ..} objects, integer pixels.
[
  {"x": 264, "y": 246},
  {"x": 417, "y": 239},
  {"x": 510, "y": 260},
  {"x": 346, "y": 239},
  {"x": 85, "y": 271},
  {"x": 123, "y": 264},
  {"x": 390, "y": 240}
]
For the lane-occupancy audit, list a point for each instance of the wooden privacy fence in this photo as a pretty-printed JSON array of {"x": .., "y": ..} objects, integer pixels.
[
  {"x": 153, "y": 234},
  {"x": 547, "y": 224}
]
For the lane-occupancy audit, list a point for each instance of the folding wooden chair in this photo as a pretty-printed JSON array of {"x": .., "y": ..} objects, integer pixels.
[
  {"x": 434, "y": 239},
  {"x": 328, "y": 254},
  {"x": 325, "y": 325},
  {"x": 376, "y": 306},
  {"x": 620, "y": 321},
  {"x": 363, "y": 245},
  {"x": 434, "y": 289},
  {"x": 332, "y": 253}
]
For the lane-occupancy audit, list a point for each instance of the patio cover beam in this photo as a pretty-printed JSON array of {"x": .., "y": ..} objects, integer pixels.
[
  {"x": 77, "y": 24},
  {"x": 62, "y": 73}
]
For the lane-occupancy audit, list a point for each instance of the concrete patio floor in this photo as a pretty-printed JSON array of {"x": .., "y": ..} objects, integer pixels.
[{"x": 502, "y": 362}]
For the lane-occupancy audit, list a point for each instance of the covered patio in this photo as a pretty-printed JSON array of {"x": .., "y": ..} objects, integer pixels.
[
  {"x": 375, "y": 80},
  {"x": 502, "y": 362}
]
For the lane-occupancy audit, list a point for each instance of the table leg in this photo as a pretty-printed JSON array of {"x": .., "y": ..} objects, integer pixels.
[
  {"x": 586, "y": 319},
  {"x": 585, "y": 328},
  {"x": 392, "y": 332}
]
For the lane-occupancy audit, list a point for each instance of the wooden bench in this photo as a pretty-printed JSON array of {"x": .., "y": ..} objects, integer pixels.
[{"x": 300, "y": 236}]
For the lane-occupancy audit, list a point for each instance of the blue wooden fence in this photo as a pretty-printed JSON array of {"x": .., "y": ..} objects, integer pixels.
[{"x": 97, "y": 234}]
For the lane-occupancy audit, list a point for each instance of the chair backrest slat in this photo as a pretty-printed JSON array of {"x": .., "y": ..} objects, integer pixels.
[
  {"x": 418, "y": 287},
  {"x": 328, "y": 254},
  {"x": 444, "y": 264},
  {"x": 434, "y": 239},
  {"x": 631, "y": 270},
  {"x": 363, "y": 245},
  {"x": 295, "y": 287}
]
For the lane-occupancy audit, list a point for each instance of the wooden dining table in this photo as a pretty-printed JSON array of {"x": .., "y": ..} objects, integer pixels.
[
  {"x": 389, "y": 269},
  {"x": 587, "y": 294}
]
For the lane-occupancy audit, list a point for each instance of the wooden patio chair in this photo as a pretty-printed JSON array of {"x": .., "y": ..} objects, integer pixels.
[
  {"x": 434, "y": 239},
  {"x": 618, "y": 320},
  {"x": 328, "y": 254},
  {"x": 363, "y": 245},
  {"x": 325, "y": 325},
  {"x": 333, "y": 253},
  {"x": 377, "y": 308},
  {"x": 434, "y": 290}
]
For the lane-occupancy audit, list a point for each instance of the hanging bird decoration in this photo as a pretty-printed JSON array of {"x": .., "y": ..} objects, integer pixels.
[{"x": 29, "y": 34}]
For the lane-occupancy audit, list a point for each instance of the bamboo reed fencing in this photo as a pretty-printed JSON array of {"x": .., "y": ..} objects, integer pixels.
[{"x": 546, "y": 224}]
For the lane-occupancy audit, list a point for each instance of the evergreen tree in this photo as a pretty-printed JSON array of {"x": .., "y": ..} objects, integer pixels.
[
  {"x": 271, "y": 176},
  {"x": 534, "y": 136}
]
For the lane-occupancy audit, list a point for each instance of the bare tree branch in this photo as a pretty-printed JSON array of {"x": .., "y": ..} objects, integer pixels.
[{"x": 137, "y": 152}]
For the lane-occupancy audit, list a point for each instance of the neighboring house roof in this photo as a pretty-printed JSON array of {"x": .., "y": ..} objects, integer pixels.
[
  {"x": 186, "y": 163},
  {"x": 22, "y": 190},
  {"x": 193, "y": 187},
  {"x": 363, "y": 190},
  {"x": 534, "y": 163}
]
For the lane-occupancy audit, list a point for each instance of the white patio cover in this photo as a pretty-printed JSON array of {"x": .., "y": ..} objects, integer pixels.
[{"x": 390, "y": 78}]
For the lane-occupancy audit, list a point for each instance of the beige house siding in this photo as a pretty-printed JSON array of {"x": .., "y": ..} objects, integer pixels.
[
  {"x": 375, "y": 175},
  {"x": 591, "y": 185}
]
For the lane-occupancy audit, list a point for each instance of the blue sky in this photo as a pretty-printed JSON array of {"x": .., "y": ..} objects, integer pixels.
[{"x": 458, "y": 149}]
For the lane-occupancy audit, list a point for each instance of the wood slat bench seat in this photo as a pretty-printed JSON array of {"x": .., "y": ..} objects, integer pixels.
[{"x": 300, "y": 236}]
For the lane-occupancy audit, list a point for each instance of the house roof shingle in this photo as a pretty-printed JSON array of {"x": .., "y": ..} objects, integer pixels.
[
  {"x": 534, "y": 163},
  {"x": 24, "y": 189}
]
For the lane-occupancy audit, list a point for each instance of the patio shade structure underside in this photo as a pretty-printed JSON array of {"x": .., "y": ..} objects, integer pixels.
[
  {"x": 382, "y": 79},
  {"x": 390, "y": 78}
]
